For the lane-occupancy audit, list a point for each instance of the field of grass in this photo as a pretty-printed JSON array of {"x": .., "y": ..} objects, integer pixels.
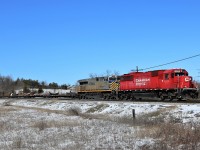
[{"x": 39, "y": 128}]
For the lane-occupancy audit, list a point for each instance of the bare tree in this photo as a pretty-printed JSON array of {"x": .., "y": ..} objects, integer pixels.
[
  {"x": 93, "y": 75},
  {"x": 6, "y": 85},
  {"x": 108, "y": 73},
  {"x": 116, "y": 72}
]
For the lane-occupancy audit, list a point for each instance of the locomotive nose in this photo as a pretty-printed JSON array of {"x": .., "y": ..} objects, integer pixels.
[{"x": 187, "y": 82}]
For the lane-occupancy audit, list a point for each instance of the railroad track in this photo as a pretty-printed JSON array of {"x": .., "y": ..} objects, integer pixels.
[
  {"x": 61, "y": 97},
  {"x": 146, "y": 100}
]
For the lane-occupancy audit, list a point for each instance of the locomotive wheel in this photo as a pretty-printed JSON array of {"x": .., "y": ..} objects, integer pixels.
[
  {"x": 108, "y": 97},
  {"x": 133, "y": 98},
  {"x": 126, "y": 97},
  {"x": 105, "y": 97},
  {"x": 170, "y": 96},
  {"x": 162, "y": 97},
  {"x": 180, "y": 99},
  {"x": 122, "y": 97}
]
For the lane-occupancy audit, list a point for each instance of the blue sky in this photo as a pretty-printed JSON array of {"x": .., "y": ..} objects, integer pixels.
[{"x": 64, "y": 41}]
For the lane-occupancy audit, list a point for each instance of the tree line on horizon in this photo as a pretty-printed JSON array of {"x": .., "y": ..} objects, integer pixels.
[{"x": 9, "y": 85}]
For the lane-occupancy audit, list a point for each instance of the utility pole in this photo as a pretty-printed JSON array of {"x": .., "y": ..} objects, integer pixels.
[{"x": 137, "y": 69}]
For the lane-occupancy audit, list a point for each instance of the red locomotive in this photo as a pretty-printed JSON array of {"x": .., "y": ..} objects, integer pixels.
[
  {"x": 165, "y": 84},
  {"x": 173, "y": 83}
]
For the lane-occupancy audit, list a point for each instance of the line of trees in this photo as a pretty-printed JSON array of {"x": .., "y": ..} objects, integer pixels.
[
  {"x": 107, "y": 74},
  {"x": 9, "y": 85}
]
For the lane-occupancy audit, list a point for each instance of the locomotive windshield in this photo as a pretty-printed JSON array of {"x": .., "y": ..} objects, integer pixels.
[
  {"x": 180, "y": 74},
  {"x": 112, "y": 79}
]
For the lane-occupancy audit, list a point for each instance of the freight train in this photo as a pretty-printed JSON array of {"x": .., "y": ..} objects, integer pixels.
[{"x": 164, "y": 84}]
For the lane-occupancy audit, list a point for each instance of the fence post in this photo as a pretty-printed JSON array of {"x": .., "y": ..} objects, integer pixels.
[{"x": 133, "y": 113}]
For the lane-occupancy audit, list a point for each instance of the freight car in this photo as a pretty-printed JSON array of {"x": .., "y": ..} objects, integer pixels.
[{"x": 164, "y": 84}]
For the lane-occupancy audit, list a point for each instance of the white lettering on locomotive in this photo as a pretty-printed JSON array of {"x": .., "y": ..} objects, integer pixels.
[{"x": 141, "y": 82}]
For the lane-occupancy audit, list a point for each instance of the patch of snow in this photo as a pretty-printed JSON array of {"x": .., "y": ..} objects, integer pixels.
[{"x": 187, "y": 111}]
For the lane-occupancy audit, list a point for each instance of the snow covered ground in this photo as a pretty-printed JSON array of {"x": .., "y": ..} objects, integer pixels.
[
  {"x": 66, "y": 124},
  {"x": 186, "y": 111}
]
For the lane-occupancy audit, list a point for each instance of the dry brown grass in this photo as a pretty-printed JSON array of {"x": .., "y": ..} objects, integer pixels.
[
  {"x": 7, "y": 109},
  {"x": 97, "y": 108},
  {"x": 44, "y": 124},
  {"x": 179, "y": 134},
  {"x": 5, "y": 124},
  {"x": 43, "y": 110},
  {"x": 171, "y": 135},
  {"x": 75, "y": 111},
  {"x": 167, "y": 134},
  {"x": 17, "y": 143},
  {"x": 41, "y": 125},
  {"x": 7, "y": 103}
]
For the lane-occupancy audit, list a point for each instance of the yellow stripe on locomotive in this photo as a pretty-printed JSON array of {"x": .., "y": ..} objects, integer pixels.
[{"x": 114, "y": 86}]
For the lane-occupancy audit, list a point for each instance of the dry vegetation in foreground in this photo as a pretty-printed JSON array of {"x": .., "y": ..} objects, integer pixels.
[{"x": 37, "y": 128}]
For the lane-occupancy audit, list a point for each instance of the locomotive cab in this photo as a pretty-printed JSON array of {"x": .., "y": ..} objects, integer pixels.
[
  {"x": 112, "y": 79},
  {"x": 181, "y": 79},
  {"x": 178, "y": 80}
]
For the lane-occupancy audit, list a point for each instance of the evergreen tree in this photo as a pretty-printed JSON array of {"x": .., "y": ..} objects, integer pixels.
[
  {"x": 26, "y": 90},
  {"x": 40, "y": 90}
]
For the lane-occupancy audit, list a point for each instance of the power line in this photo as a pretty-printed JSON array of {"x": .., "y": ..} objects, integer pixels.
[{"x": 170, "y": 62}]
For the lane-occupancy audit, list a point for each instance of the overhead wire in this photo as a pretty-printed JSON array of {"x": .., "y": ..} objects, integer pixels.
[{"x": 169, "y": 63}]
